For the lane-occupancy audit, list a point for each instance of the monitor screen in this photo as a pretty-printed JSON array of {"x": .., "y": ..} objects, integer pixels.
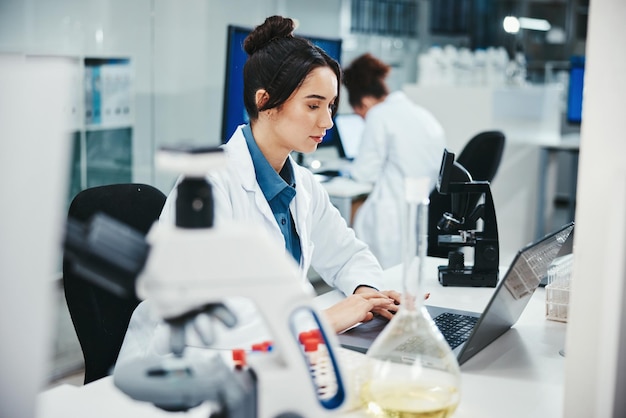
[
  {"x": 233, "y": 111},
  {"x": 575, "y": 91},
  {"x": 350, "y": 131}
]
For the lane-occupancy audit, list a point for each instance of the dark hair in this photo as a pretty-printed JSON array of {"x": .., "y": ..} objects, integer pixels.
[
  {"x": 278, "y": 62},
  {"x": 365, "y": 77}
]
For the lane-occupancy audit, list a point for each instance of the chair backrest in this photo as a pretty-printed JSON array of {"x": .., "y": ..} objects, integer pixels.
[
  {"x": 101, "y": 318},
  {"x": 481, "y": 156}
]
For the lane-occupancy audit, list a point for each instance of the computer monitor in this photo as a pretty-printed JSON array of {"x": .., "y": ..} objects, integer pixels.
[
  {"x": 575, "y": 90},
  {"x": 233, "y": 110},
  {"x": 350, "y": 131}
]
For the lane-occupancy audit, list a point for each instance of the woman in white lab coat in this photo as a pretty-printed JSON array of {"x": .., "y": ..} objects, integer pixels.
[
  {"x": 400, "y": 140},
  {"x": 326, "y": 243},
  {"x": 291, "y": 90}
]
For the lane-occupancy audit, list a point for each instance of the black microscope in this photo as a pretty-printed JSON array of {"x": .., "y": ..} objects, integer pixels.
[{"x": 471, "y": 222}]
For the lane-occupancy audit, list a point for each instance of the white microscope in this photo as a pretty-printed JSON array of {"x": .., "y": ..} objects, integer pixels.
[{"x": 191, "y": 267}]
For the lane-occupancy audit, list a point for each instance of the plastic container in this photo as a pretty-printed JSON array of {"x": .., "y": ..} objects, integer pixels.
[{"x": 558, "y": 288}]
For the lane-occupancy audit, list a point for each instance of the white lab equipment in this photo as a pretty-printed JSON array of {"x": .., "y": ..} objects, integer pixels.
[{"x": 190, "y": 268}]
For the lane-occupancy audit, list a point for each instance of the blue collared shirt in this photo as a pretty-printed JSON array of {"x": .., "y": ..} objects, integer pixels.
[{"x": 279, "y": 190}]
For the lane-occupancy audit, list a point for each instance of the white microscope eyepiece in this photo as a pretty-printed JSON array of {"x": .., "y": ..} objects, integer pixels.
[
  {"x": 191, "y": 161},
  {"x": 194, "y": 200}
]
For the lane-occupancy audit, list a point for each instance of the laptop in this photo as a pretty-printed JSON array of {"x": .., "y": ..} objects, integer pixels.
[
  {"x": 566, "y": 249},
  {"x": 350, "y": 130},
  {"x": 468, "y": 333}
]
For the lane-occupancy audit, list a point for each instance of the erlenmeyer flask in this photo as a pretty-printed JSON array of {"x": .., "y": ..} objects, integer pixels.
[{"x": 413, "y": 370}]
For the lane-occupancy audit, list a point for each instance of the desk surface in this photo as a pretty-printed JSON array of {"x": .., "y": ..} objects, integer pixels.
[
  {"x": 345, "y": 187},
  {"x": 518, "y": 375},
  {"x": 565, "y": 142}
]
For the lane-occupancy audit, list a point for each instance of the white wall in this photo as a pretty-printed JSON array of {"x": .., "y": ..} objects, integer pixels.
[
  {"x": 177, "y": 48},
  {"x": 317, "y": 18},
  {"x": 595, "y": 348},
  {"x": 188, "y": 69}
]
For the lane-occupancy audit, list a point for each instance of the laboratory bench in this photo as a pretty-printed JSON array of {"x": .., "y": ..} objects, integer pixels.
[
  {"x": 521, "y": 374},
  {"x": 333, "y": 172},
  {"x": 347, "y": 195}
]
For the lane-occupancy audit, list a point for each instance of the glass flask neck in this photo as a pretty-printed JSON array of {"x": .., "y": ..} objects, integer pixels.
[{"x": 415, "y": 250}]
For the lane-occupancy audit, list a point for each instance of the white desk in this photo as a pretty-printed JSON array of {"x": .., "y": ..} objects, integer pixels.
[
  {"x": 518, "y": 375},
  {"x": 343, "y": 192},
  {"x": 101, "y": 399}
]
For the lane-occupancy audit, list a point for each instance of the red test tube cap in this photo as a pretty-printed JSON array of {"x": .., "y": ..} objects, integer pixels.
[
  {"x": 303, "y": 336},
  {"x": 316, "y": 333},
  {"x": 310, "y": 345},
  {"x": 239, "y": 357}
]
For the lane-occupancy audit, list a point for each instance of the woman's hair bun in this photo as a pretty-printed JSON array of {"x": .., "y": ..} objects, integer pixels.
[{"x": 274, "y": 27}]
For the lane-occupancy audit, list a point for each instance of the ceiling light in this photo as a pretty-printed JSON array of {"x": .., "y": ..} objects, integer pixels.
[
  {"x": 534, "y": 24},
  {"x": 511, "y": 24}
]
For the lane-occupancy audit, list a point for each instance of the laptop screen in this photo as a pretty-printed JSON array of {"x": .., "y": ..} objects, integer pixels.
[
  {"x": 350, "y": 130},
  {"x": 511, "y": 297}
]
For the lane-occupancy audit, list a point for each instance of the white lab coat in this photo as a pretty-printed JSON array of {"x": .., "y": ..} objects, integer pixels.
[
  {"x": 400, "y": 140},
  {"x": 328, "y": 245}
]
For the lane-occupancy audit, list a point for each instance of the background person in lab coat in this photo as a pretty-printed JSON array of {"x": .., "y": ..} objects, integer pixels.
[
  {"x": 291, "y": 91},
  {"x": 400, "y": 139}
]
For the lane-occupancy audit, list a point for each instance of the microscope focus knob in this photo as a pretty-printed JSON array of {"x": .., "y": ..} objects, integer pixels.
[
  {"x": 490, "y": 253},
  {"x": 456, "y": 260}
]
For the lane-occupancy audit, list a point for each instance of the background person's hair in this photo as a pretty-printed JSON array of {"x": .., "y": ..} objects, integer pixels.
[
  {"x": 365, "y": 77},
  {"x": 279, "y": 62}
]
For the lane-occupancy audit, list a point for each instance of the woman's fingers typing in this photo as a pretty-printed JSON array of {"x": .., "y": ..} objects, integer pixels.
[
  {"x": 362, "y": 306},
  {"x": 357, "y": 308}
]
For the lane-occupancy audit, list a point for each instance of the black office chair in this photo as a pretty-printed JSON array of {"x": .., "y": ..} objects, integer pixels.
[
  {"x": 481, "y": 157},
  {"x": 101, "y": 318}
]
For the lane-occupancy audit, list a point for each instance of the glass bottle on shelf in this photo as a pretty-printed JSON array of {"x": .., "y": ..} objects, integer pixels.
[{"x": 413, "y": 370}]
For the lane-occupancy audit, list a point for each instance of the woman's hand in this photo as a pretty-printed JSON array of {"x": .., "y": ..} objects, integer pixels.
[
  {"x": 384, "y": 311},
  {"x": 359, "y": 307},
  {"x": 362, "y": 306}
]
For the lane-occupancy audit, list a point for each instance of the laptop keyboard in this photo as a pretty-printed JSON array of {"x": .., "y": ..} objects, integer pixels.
[{"x": 455, "y": 328}]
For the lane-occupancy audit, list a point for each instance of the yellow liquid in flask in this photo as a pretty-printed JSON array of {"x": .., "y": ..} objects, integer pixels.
[{"x": 409, "y": 400}]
